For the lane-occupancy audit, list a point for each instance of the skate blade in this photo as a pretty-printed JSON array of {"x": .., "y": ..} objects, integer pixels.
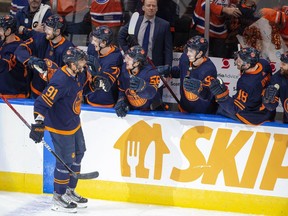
[
  {"x": 62, "y": 209},
  {"x": 81, "y": 205}
]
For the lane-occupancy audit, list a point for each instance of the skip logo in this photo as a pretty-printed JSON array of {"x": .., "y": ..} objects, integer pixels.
[
  {"x": 133, "y": 146},
  {"x": 238, "y": 158}
]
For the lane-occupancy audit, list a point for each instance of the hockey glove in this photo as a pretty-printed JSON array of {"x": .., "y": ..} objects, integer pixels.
[
  {"x": 121, "y": 107},
  {"x": 38, "y": 64},
  {"x": 93, "y": 65},
  {"x": 219, "y": 89},
  {"x": 192, "y": 85},
  {"x": 100, "y": 82},
  {"x": 37, "y": 131},
  {"x": 132, "y": 41},
  {"x": 164, "y": 70},
  {"x": 137, "y": 84},
  {"x": 270, "y": 93}
]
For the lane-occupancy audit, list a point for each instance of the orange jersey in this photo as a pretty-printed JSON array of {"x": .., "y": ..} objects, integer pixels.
[
  {"x": 65, "y": 7},
  {"x": 278, "y": 17},
  {"x": 106, "y": 12},
  {"x": 218, "y": 28}
]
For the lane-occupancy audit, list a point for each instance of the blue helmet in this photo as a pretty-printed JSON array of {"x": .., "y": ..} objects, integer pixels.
[
  {"x": 74, "y": 54},
  {"x": 55, "y": 21},
  {"x": 8, "y": 21},
  {"x": 198, "y": 43},
  {"x": 284, "y": 57},
  {"x": 103, "y": 33},
  {"x": 138, "y": 54},
  {"x": 249, "y": 55}
]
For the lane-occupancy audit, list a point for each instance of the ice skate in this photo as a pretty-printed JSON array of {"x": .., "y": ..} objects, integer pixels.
[
  {"x": 74, "y": 197},
  {"x": 62, "y": 203}
]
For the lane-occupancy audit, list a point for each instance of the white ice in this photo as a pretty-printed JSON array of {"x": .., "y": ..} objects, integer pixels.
[{"x": 21, "y": 204}]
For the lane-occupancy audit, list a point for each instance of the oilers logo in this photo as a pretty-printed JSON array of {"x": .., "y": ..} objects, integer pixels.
[
  {"x": 285, "y": 105},
  {"x": 101, "y": 1}
]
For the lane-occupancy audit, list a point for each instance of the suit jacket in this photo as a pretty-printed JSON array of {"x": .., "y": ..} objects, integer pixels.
[{"x": 162, "y": 45}]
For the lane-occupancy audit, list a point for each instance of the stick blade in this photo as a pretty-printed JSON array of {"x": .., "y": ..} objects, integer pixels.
[
  {"x": 90, "y": 175},
  {"x": 132, "y": 23}
]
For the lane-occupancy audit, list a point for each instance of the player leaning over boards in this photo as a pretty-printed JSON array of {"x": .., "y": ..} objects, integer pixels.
[
  {"x": 246, "y": 105},
  {"x": 138, "y": 83},
  {"x": 57, "y": 110},
  {"x": 278, "y": 88},
  {"x": 51, "y": 45},
  {"x": 13, "y": 76},
  {"x": 106, "y": 60},
  {"x": 196, "y": 71}
]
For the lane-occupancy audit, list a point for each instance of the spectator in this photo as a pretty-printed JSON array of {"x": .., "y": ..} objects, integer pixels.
[
  {"x": 105, "y": 63},
  {"x": 218, "y": 29},
  {"x": 65, "y": 7},
  {"x": 138, "y": 84},
  {"x": 109, "y": 13},
  {"x": 51, "y": 45},
  {"x": 77, "y": 19},
  {"x": 278, "y": 89},
  {"x": 237, "y": 25},
  {"x": 13, "y": 76},
  {"x": 278, "y": 18},
  {"x": 160, "y": 47},
  {"x": 196, "y": 71},
  {"x": 169, "y": 11},
  {"x": 32, "y": 17},
  {"x": 246, "y": 105},
  {"x": 17, "y": 5}
]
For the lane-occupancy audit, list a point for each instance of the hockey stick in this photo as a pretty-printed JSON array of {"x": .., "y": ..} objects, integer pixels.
[
  {"x": 131, "y": 32},
  {"x": 132, "y": 23},
  {"x": 90, "y": 175},
  {"x": 165, "y": 82}
]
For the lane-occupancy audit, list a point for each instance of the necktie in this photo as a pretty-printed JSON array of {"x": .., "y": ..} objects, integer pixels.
[{"x": 146, "y": 36}]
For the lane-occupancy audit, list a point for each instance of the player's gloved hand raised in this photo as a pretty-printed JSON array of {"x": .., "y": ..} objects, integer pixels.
[
  {"x": 132, "y": 41},
  {"x": 37, "y": 131},
  {"x": 192, "y": 85},
  {"x": 219, "y": 89},
  {"x": 137, "y": 84},
  {"x": 121, "y": 107},
  {"x": 93, "y": 65},
  {"x": 38, "y": 64},
  {"x": 164, "y": 70},
  {"x": 270, "y": 93},
  {"x": 101, "y": 82}
]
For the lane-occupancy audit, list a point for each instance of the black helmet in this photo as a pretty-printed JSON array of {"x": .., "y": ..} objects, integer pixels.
[
  {"x": 55, "y": 21},
  {"x": 284, "y": 57},
  {"x": 8, "y": 21},
  {"x": 74, "y": 54},
  {"x": 103, "y": 33},
  {"x": 198, "y": 43},
  {"x": 138, "y": 54},
  {"x": 249, "y": 55}
]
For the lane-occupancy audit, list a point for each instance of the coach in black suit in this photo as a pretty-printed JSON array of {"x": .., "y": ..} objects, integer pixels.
[{"x": 160, "y": 47}]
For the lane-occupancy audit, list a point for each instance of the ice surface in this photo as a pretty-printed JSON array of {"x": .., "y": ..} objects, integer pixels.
[{"x": 20, "y": 204}]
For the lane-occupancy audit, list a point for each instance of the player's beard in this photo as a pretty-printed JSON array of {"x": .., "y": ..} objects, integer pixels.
[
  {"x": 50, "y": 37},
  {"x": 284, "y": 72}
]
